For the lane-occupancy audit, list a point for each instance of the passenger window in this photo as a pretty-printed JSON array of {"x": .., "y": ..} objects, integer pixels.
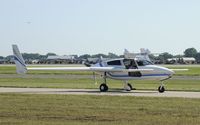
[{"x": 116, "y": 62}]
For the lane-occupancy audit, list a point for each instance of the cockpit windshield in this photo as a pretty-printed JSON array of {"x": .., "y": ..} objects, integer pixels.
[{"x": 144, "y": 62}]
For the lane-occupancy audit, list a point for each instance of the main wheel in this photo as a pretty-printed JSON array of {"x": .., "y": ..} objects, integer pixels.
[
  {"x": 161, "y": 89},
  {"x": 103, "y": 87},
  {"x": 128, "y": 87}
]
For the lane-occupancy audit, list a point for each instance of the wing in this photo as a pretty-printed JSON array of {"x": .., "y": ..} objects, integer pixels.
[{"x": 93, "y": 69}]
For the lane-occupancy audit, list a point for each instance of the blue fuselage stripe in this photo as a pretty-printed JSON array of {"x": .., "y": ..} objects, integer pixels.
[
  {"x": 141, "y": 76},
  {"x": 156, "y": 75}
]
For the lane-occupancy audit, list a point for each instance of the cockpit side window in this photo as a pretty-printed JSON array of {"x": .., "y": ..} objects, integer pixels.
[
  {"x": 144, "y": 63},
  {"x": 148, "y": 62},
  {"x": 130, "y": 64},
  {"x": 127, "y": 63},
  {"x": 115, "y": 62}
]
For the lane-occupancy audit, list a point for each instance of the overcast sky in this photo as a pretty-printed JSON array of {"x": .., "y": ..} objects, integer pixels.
[{"x": 99, "y": 26}]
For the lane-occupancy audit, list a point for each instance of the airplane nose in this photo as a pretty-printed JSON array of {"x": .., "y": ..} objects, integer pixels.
[{"x": 171, "y": 72}]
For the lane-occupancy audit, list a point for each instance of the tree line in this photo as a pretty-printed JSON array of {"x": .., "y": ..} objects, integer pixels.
[{"x": 189, "y": 52}]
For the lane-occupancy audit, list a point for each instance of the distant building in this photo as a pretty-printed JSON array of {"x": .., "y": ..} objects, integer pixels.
[
  {"x": 60, "y": 59},
  {"x": 173, "y": 60},
  {"x": 2, "y": 61},
  {"x": 189, "y": 60},
  {"x": 183, "y": 60},
  {"x": 92, "y": 60},
  {"x": 35, "y": 61}
]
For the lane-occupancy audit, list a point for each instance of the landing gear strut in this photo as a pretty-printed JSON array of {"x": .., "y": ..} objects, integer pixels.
[
  {"x": 127, "y": 86},
  {"x": 161, "y": 88},
  {"x": 103, "y": 87}
]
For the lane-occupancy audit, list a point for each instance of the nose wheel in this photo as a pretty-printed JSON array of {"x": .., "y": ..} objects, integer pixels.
[{"x": 161, "y": 88}]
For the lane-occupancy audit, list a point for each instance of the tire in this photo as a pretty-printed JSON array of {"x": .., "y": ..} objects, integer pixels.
[
  {"x": 128, "y": 87},
  {"x": 161, "y": 89},
  {"x": 103, "y": 87}
]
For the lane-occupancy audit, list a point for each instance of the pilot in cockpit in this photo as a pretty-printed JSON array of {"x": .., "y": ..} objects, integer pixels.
[{"x": 130, "y": 64}]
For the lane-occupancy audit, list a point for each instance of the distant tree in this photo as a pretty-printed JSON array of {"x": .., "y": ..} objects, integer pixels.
[
  {"x": 50, "y": 54},
  {"x": 1, "y": 57},
  {"x": 30, "y": 56},
  {"x": 167, "y": 55},
  {"x": 85, "y": 56},
  {"x": 42, "y": 57},
  {"x": 197, "y": 57},
  {"x": 9, "y": 58},
  {"x": 164, "y": 56},
  {"x": 112, "y": 55},
  {"x": 152, "y": 57},
  {"x": 178, "y": 56},
  {"x": 190, "y": 52},
  {"x": 99, "y": 55}
]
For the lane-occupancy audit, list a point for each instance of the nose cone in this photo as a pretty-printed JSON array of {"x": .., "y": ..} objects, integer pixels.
[
  {"x": 170, "y": 72},
  {"x": 167, "y": 71}
]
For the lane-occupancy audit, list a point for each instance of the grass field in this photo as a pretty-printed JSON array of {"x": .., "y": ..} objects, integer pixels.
[
  {"x": 19, "y": 109},
  {"x": 27, "y": 109},
  {"x": 186, "y": 85},
  {"x": 193, "y": 70}
]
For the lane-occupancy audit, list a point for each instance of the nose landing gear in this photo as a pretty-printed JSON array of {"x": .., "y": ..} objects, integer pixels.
[{"x": 161, "y": 88}]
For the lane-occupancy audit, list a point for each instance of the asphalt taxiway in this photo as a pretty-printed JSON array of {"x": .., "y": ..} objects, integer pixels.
[{"x": 142, "y": 93}]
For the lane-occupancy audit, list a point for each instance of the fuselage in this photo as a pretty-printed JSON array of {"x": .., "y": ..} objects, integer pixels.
[{"x": 157, "y": 73}]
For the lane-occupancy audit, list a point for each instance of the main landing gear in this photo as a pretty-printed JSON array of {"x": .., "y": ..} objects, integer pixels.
[
  {"x": 127, "y": 86},
  {"x": 103, "y": 87}
]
